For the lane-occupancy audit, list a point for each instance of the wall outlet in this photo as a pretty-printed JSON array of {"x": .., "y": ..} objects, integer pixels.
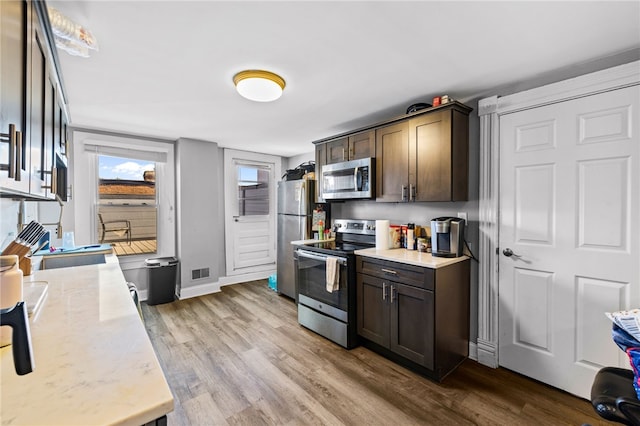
[{"x": 463, "y": 215}]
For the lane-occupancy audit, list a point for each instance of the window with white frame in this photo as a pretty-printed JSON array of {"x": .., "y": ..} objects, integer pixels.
[
  {"x": 126, "y": 209},
  {"x": 142, "y": 214}
]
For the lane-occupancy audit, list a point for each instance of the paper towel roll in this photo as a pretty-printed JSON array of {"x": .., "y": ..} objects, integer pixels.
[{"x": 382, "y": 234}]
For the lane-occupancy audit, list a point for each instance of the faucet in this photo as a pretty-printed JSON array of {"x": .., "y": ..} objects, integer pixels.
[
  {"x": 22, "y": 223},
  {"x": 16, "y": 318}
]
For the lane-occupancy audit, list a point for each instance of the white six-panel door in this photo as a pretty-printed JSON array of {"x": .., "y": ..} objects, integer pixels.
[{"x": 569, "y": 213}]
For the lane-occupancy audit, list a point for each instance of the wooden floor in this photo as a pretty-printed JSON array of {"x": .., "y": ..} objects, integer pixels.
[
  {"x": 239, "y": 357},
  {"x": 121, "y": 248}
]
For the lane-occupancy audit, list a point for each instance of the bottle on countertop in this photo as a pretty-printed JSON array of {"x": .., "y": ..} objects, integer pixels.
[
  {"x": 321, "y": 229},
  {"x": 411, "y": 236}
]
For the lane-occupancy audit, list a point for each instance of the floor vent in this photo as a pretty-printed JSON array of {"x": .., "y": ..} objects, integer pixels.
[{"x": 197, "y": 274}]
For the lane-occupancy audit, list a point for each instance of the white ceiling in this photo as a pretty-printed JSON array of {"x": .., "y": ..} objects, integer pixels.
[{"x": 165, "y": 68}]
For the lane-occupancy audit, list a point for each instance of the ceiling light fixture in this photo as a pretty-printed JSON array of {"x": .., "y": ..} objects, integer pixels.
[
  {"x": 69, "y": 36},
  {"x": 259, "y": 85}
]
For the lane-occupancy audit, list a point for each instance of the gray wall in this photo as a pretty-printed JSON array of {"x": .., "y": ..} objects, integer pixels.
[
  {"x": 199, "y": 191},
  {"x": 8, "y": 220},
  {"x": 293, "y": 162}
]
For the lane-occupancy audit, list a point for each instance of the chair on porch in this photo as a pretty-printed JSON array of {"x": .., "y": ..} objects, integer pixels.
[{"x": 120, "y": 227}]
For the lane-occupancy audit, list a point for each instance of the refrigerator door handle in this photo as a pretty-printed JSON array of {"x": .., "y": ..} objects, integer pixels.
[{"x": 301, "y": 198}]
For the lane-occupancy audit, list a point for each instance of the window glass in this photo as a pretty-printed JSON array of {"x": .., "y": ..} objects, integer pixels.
[
  {"x": 127, "y": 208},
  {"x": 253, "y": 190}
]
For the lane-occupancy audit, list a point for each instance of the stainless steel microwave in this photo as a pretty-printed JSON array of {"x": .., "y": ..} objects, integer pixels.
[{"x": 349, "y": 180}]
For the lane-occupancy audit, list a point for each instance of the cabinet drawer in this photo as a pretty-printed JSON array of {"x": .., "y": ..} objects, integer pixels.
[{"x": 398, "y": 272}]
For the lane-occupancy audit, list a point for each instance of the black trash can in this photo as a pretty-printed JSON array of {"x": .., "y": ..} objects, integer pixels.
[{"x": 161, "y": 279}]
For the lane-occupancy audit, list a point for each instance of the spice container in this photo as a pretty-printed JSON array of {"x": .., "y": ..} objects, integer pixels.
[{"x": 395, "y": 234}]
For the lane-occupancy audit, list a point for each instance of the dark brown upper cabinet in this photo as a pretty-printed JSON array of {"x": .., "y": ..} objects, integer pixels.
[
  {"x": 353, "y": 147},
  {"x": 425, "y": 158},
  {"x": 33, "y": 114},
  {"x": 14, "y": 26}
]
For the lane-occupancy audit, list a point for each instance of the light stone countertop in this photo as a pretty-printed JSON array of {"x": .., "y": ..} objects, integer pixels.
[
  {"x": 411, "y": 257},
  {"x": 94, "y": 363}
]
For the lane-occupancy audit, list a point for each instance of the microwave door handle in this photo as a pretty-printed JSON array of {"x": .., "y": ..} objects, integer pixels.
[{"x": 356, "y": 172}]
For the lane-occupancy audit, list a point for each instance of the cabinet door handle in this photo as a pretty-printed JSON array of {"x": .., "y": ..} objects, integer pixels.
[
  {"x": 52, "y": 183},
  {"x": 384, "y": 291},
  {"x": 18, "y": 164},
  {"x": 344, "y": 156},
  {"x": 351, "y": 153},
  {"x": 389, "y": 271},
  {"x": 10, "y": 138},
  {"x": 404, "y": 192},
  {"x": 412, "y": 192},
  {"x": 54, "y": 180},
  {"x": 392, "y": 289}
]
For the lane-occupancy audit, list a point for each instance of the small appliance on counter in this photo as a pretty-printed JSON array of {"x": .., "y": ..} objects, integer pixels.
[
  {"x": 16, "y": 318},
  {"x": 447, "y": 236}
]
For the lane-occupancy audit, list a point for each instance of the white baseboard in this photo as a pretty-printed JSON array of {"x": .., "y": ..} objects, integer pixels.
[
  {"x": 235, "y": 279},
  {"x": 199, "y": 290},
  {"x": 487, "y": 353},
  {"x": 473, "y": 351}
]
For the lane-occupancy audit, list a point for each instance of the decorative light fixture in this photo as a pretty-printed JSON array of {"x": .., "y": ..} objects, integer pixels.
[
  {"x": 69, "y": 36},
  {"x": 259, "y": 85}
]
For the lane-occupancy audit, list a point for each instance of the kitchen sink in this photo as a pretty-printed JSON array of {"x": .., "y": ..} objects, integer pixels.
[{"x": 69, "y": 260}]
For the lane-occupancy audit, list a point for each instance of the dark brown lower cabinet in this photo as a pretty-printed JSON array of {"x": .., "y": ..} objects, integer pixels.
[{"x": 416, "y": 316}]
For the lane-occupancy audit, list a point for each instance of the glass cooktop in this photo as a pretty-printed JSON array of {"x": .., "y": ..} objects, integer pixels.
[{"x": 337, "y": 246}]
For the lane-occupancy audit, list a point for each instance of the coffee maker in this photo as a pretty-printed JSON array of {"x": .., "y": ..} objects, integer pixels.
[{"x": 447, "y": 236}]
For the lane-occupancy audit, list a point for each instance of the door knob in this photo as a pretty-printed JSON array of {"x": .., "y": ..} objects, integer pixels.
[{"x": 508, "y": 252}]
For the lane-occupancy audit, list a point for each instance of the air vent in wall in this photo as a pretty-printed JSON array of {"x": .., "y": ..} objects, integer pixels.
[{"x": 199, "y": 273}]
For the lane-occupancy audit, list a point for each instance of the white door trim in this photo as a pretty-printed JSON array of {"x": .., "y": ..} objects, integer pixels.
[
  {"x": 489, "y": 110},
  {"x": 230, "y": 188}
]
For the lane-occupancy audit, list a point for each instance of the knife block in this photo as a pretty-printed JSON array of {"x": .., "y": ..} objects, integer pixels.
[
  {"x": 26, "y": 266},
  {"x": 17, "y": 249}
]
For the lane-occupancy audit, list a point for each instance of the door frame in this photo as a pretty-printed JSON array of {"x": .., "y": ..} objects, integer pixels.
[
  {"x": 489, "y": 111},
  {"x": 229, "y": 193}
]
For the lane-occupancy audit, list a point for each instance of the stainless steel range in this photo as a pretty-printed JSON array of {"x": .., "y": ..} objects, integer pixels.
[{"x": 332, "y": 314}]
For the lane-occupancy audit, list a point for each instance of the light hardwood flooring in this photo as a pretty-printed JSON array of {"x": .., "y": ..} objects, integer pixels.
[{"x": 239, "y": 357}]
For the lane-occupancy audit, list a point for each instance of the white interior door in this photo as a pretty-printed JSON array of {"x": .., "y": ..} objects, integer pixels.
[
  {"x": 250, "y": 197},
  {"x": 569, "y": 211}
]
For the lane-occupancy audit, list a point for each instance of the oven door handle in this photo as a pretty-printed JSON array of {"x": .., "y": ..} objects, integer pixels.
[{"x": 320, "y": 257}]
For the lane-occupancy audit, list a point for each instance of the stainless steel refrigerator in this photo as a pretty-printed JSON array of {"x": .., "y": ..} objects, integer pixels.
[{"x": 296, "y": 201}]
